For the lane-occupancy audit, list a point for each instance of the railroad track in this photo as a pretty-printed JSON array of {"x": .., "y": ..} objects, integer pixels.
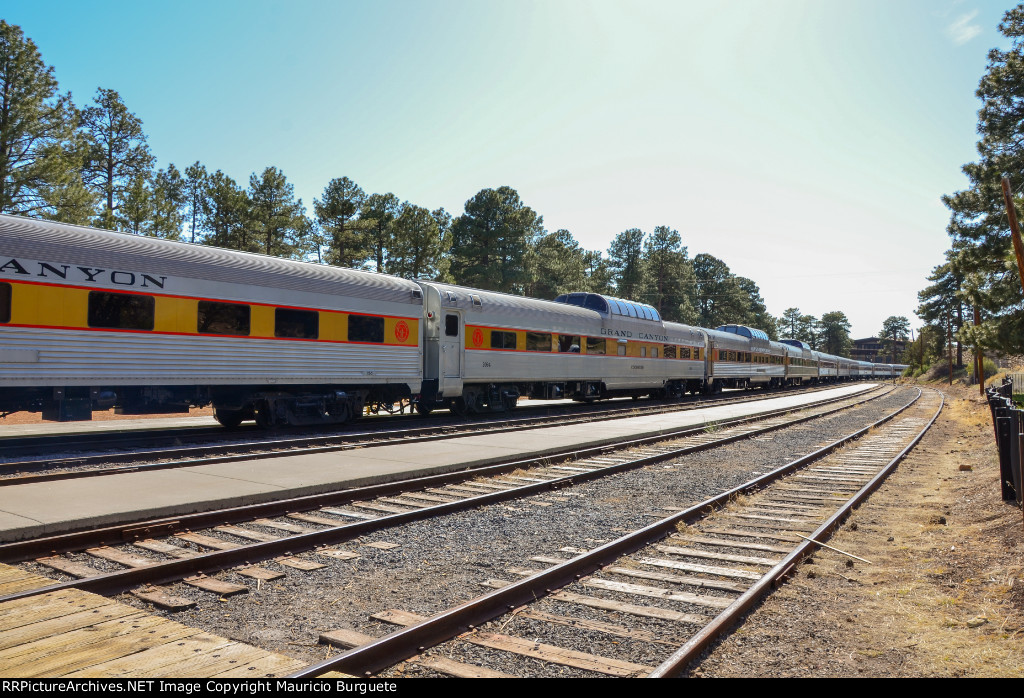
[
  {"x": 43, "y": 468},
  {"x": 193, "y": 548},
  {"x": 688, "y": 576}
]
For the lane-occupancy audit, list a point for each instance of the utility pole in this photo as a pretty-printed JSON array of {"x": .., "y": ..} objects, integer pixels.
[{"x": 1011, "y": 213}]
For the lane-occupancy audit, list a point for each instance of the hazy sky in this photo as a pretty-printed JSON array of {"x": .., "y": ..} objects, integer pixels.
[{"x": 806, "y": 143}]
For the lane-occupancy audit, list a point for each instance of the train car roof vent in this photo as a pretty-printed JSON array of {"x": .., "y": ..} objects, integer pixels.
[
  {"x": 417, "y": 293},
  {"x": 477, "y": 302},
  {"x": 452, "y": 298}
]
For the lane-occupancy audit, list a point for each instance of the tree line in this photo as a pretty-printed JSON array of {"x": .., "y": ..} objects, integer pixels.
[{"x": 92, "y": 165}]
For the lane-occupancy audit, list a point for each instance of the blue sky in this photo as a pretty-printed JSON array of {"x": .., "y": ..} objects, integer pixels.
[{"x": 806, "y": 143}]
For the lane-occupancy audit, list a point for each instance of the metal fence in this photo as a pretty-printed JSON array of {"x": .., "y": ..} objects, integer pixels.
[{"x": 1008, "y": 420}]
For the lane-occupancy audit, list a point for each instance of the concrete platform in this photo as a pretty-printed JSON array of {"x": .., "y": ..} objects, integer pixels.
[
  {"x": 35, "y": 510},
  {"x": 12, "y": 431}
]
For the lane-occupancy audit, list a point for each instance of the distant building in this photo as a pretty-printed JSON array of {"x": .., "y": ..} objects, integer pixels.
[{"x": 873, "y": 349}]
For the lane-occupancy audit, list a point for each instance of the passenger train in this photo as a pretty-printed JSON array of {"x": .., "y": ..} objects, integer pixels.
[{"x": 91, "y": 319}]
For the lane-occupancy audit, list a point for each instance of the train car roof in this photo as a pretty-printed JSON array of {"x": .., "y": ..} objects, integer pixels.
[
  {"x": 60, "y": 243},
  {"x": 610, "y": 305},
  {"x": 744, "y": 331}
]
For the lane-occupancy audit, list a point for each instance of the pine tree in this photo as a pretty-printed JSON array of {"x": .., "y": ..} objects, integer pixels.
[
  {"x": 225, "y": 215},
  {"x": 942, "y": 303},
  {"x": 557, "y": 266},
  {"x": 981, "y": 240},
  {"x": 197, "y": 181},
  {"x": 895, "y": 328},
  {"x": 491, "y": 239},
  {"x": 597, "y": 272},
  {"x": 417, "y": 249},
  {"x": 117, "y": 154},
  {"x": 625, "y": 259},
  {"x": 789, "y": 322},
  {"x": 717, "y": 297},
  {"x": 376, "y": 217},
  {"x": 169, "y": 197},
  {"x": 274, "y": 213},
  {"x": 335, "y": 213},
  {"x": 40, "y": 151},
  {"x": 835, "y": 334},
  {"x": 667, "y": 273}
]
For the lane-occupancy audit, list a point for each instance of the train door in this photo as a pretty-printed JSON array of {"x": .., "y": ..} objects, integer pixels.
[{"x": 452, "y": 349}]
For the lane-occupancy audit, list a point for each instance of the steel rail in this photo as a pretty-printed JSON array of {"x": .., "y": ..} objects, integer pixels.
[
  {"x": 407, "y": 642},
  {"x": 675, "y": 664},
  {"x": 307, "y": 445},
  {"x": 123, "y": 532},
  {"x": 206, "y": 563}
]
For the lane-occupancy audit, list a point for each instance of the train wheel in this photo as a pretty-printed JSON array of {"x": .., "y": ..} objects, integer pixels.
[
  {"x": 344, "y": 413},
  {"x": 229, "y": 418},
  {"x": 423, "y": 410},
  {"x": 265, "y": 417}
]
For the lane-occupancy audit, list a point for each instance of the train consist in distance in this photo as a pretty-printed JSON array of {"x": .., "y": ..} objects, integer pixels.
[{"x": 91, "y": 319}]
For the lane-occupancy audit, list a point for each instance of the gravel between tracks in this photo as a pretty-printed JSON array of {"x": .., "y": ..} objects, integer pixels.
[{"x": 442, "y": 562}]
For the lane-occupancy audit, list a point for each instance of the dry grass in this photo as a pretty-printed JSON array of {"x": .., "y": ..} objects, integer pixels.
[
  {"x": 738, "y": 501},
  {"x": 944, "y": 595}
]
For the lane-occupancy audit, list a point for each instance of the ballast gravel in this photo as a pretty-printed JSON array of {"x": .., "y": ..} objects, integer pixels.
[{"x": 442, "y": 562}]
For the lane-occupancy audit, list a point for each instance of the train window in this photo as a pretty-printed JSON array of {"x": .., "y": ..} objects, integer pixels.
[
  {"x": 538, "y": 341},
  {"x": 654, "y": 352},
  {"x": 5, "y": 302},
  {"x": 305, "y": 324},
  {"x": 223, "y": 318},
  {"x": 451, "y": 325},
  {"x": 622, "y": 350},
  {"x": 568, "y": 344},
  {"x": 596, "y": 346},
  {"x": 684, "y": 352},
  {"x": 121, "y": 311},
  {"x": 595, "y": 302},
  {"x": 365, "y": 328},
  {"x": 503, "y": 340},
  {"x": 643, "y": 352},
  {"x": 669, "y": 351}
]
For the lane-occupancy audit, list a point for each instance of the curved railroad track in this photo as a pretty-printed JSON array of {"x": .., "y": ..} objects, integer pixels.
[
  {"x": 191, "y": 548},
  {"x": 704, "y": 566}
]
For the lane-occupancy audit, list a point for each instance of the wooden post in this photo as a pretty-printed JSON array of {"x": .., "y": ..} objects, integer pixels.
[
  {"x": 978, "y": 358},
  {"x": 949, "y": 344}
]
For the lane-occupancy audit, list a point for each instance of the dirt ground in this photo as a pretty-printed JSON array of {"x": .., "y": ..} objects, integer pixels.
[
  {"x": 101, "y": 416},
  {"x": 943, "y": 595}
]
